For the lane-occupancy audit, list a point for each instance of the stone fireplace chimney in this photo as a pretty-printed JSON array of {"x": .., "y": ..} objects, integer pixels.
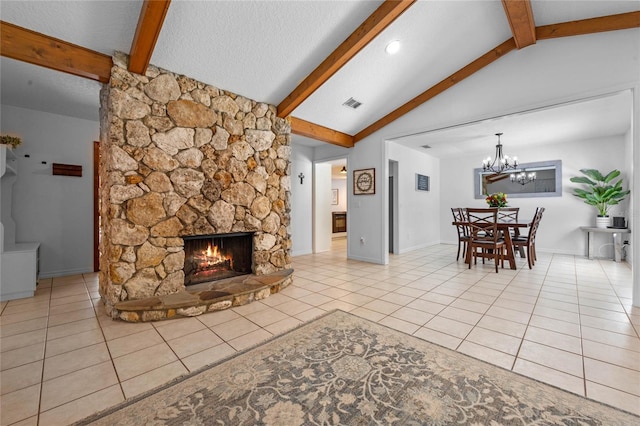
[{"x": 182, "y": 158}]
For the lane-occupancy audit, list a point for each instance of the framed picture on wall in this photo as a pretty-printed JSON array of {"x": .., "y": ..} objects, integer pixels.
[
  {"x": 364, "y": 182},
  {"x": 422, "y": 182},
  {"x": 334, "y": 197}
]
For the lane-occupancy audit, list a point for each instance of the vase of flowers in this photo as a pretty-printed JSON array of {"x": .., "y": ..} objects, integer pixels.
[{"x": 497, "y": 199}]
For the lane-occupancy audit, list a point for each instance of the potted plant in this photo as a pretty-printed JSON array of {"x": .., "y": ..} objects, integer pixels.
[
  {"x": 601, "y": 192},
  {"x": 11, "y": 141}
]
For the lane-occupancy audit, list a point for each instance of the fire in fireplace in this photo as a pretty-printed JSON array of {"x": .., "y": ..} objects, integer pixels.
[{"x": 214, "y": 257}]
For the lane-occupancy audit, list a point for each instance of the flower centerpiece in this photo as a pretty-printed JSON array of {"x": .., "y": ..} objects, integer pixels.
[
  {"x": 12, "y": 141},
  {"x": 497, "y": 199}
]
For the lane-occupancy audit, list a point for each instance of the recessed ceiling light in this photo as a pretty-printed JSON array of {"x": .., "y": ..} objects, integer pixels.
[{"x": 392, "y": 47}]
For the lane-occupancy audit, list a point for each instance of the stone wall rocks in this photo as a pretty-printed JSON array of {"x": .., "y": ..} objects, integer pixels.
[{"x": 180, "y": 157}]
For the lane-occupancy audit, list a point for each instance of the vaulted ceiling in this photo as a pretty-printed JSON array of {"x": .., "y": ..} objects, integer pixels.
[{"x": 306, "y": 57}]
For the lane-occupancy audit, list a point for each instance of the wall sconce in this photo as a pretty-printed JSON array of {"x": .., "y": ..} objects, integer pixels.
[{"x": 301, "y": 176}]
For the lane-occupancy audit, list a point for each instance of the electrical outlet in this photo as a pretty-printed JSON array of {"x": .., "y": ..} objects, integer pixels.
[{"x": 362, "y": 240}]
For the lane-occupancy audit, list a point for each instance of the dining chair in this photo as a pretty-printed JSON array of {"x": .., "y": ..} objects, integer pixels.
[
  {"x": 508, "y": 214},
  {"x": 484, "y": 236},
  {"x": 529, "y": 241},
  {"x": 459, "y": 215}
]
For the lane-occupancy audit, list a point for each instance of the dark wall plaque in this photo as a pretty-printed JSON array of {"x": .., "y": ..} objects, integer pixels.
[{"x": 422, "y": 182}]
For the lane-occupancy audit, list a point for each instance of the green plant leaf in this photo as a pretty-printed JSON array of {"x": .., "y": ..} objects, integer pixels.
[
  {"x": 593, "y": 174},
  {"x": 612, "y": 175},
  {"x": 582, "y": 179}
]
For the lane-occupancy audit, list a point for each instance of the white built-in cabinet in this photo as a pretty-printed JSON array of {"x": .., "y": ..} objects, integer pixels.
[{"x": 18, "y": 261}]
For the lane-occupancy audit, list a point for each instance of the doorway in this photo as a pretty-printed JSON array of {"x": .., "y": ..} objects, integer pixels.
[{"x": 330, "y": 212}]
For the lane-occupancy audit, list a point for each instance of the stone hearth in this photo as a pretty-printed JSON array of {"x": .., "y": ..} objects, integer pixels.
[
  {"x": 181, "y": 158},
  {"x": 206, "y": 297}
]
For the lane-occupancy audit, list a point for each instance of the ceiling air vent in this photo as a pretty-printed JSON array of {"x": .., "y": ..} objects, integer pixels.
[
  {"x": 426, "y": 146},
  {"x": 352, "y": 103}
]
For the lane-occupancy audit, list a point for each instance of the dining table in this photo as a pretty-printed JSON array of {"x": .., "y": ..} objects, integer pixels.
[{"x": 506, "y": 227}]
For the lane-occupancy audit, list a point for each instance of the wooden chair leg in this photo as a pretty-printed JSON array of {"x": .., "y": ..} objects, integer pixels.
[
  {"x": 530, "y": 256},
  {"x": 458, "y": 255}
]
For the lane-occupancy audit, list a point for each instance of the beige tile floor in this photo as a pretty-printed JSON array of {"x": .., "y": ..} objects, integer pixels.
[{"x": 568, "y": 322}]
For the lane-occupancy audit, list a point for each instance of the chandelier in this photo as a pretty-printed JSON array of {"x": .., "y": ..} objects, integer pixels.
[
  {"x": 523, "y": 177},
  {"x": 501, "y": 162}
]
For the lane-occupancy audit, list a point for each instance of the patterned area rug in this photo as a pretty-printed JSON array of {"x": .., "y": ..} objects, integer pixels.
[{"x": 342, "y": 369}]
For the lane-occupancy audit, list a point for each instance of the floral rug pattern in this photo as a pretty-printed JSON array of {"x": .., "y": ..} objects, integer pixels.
[{"x": 342, "y": 369}]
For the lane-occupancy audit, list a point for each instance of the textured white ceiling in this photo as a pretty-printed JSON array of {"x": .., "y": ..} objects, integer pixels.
[
  {"x": 546, "y": 12},
  {"x": 104, "y": 26},
  {"x": 258, "y": 49},
  {"x": 262, "y": 49},
  {"x": 28, "y": 86}
]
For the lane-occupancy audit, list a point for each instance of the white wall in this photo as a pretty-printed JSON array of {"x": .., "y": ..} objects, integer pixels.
[
  {"x": 559, "y": 230},
  {"x": 301, "y": 200},
  {"x": 418, "y": 213},
  {"x": 56, "y": 211}
]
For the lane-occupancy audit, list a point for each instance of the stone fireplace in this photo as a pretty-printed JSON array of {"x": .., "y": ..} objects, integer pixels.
[{"x": 182, "y": 159}]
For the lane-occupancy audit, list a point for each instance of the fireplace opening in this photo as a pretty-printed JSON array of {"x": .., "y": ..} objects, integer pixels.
[{"x": 215, "y": 257}]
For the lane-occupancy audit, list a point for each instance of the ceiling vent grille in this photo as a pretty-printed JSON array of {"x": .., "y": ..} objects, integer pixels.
[
  {"x": 352, "y": 103},
  {"x": 426, "y": 146}
]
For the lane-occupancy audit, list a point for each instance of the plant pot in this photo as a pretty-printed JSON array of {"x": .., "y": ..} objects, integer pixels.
[{"x": 603, "y": 221}]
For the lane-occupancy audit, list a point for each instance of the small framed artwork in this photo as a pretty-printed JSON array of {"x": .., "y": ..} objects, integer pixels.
[
  {"x": 334, "y": 197},
  {"x": 422, "y": 182},
  {"x": 364, "y": 182}
]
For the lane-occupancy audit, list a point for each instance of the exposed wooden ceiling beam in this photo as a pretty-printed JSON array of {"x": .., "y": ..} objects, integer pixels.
[
  {"x": 520, "y": 17},
  {"x": 39, "y": 49},
  {"x": 622, "y": 21},
  {"x": 150, "y": 22},
  {"x": 440, "y": 87},
  {"x": 321, "y": 133},
  {"x": 367, "y": 31}
]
